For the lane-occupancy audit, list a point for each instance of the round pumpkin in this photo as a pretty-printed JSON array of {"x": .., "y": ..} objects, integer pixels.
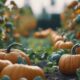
[
  {"x": 42, "y": 34},
  {"x": 17, "y": 71},
  {"x": 68, "y": 63},
  {"x": 74, "y": 3},
  {"x": 63, "y": 45},
  {"x": 13, "y": 54},
  {"x": 4, "y": 63},
  {"x": 77, "y": 11},
  {"x": 56, "y": 37},
  {"x": 78, "y": 35},
  {"x": 76, "y": 49}
]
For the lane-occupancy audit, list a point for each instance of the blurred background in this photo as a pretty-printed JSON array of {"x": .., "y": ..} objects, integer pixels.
[{"x": 44, "y": 14}]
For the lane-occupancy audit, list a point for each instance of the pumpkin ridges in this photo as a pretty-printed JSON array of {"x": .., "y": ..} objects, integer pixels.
[
  {"x": 13, "y": 55},
  {"x": 63, "y": 45},
  {"x": 72, "y": 66},
  {"x": 29, "y": 71},
  {"x": 4, "y": 63},
  {"x": 66, "y": 65}
]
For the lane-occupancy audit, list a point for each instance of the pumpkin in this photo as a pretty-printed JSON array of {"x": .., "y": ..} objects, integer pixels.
[
  {"x": 74, "y": 3},
  {"x": 17, "y": 71},
  {"x": 63, "y": 45},
  {"x": 68, "y": 63},
  {"x": 78, "y": 35},
  {"x": 13, "y": 54},
  {"x": 76, "y": 49},
  {"x": 56, "y": 37},
  {"x": 16, "y": 34},
  {"x": 77, "y": 11},
  {"x": 42, "y": 34},
  {"x": 26, "y": 24},
  {"x": 4, "y": 63}
]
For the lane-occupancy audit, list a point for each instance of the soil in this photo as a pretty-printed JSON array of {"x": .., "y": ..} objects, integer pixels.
[{"x": 57, "y": 75}]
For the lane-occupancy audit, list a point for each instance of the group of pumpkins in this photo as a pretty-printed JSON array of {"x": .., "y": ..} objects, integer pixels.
[
  {"x": 16, "y": 65},
  {"x": 57, "y": 40},
  {"x": 68, "y": 63},
  {"x": 71, "y": 13}
]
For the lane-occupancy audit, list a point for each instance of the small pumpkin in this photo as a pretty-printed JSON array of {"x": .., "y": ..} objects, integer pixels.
[
  {"x": 13, "y": 54},
  {"x": 76, "y": 48},
  {"x": 4, "y": 63},
  {"x": 69, "y": 63},
  {"x": 78, "y": 35},
  {"x": 42, "y": 34},
  {"x": 56, "y": 37},
  {"x": 73, "y": 4},
  {"x": 63, "y": 45},
  {"x": 29, "y": 72},
  {"x": 77, "y": 11}
]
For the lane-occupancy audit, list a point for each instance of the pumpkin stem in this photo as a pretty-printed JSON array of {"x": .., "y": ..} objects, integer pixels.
[
  {"x": 11, "y": 45},
  {"x": 73, "y": 50}
]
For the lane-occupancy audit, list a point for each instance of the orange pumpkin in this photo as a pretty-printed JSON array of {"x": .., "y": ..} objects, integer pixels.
[
  {"x": 78, "y": 35},
  {"x": 76, "y": 49},
  {"x": 77, "y": 11},
  {"x": 42, "y": 34},
  {"x": 55, "y": 37},
  {"x": 74, "y": 3},
  {"x": 63, "y": 45},
  {"x": 17, "y": 71},
  {"x": 68, "y": 63},
  {"x": 13, "y": 54},
  {"x": 4, "y": 63}
]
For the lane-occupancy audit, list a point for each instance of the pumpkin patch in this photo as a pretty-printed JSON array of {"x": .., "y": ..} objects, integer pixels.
[{"x": 39, "y": 47}]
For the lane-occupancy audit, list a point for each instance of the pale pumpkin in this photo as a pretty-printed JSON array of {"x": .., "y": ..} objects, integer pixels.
[{"x": 17, "y": 71}]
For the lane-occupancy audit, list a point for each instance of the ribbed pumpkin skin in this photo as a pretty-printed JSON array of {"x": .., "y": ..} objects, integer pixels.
[
  {"x": 13, "y": 55},
  {"x": 63, "y": 45},
  {"x": 69, "y": 63},
  {"x": 17, "y": 71},
  {"x": 4, "y": 63}
]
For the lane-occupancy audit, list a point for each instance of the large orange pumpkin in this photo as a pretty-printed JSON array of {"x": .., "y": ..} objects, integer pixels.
[
  {"x": 68, "y": 63},
  {"x": 17, "y": 71},
  {"x": 13, "y": 54}
]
